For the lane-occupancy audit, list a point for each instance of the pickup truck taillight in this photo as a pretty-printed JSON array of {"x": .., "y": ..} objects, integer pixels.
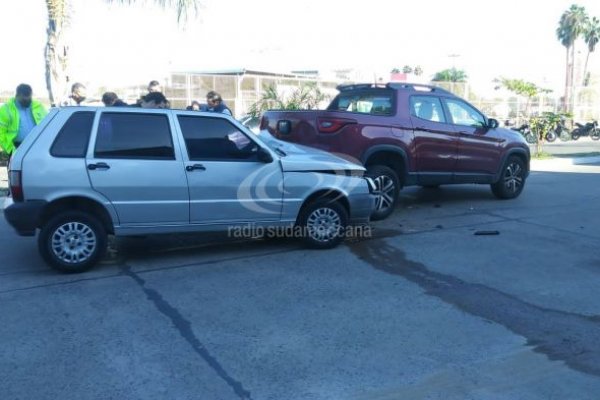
[
  {"x": 330, "y": 125},
  {"x": 15, "y": 183}
]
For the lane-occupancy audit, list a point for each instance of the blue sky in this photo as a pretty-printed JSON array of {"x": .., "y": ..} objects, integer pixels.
[{"x": 117, "y": 45}]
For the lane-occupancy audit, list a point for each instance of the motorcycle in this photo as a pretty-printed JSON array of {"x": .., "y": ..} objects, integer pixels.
[
  {"x": 559, "y": 131},
  {"x": 525, "y": 130},
  {"x": 590, "y": 129}
]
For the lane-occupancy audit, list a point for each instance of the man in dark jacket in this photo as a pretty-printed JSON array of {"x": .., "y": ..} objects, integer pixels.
[
  {"x": 215, "y": 103},
  {"x": 110, "y": 99}
]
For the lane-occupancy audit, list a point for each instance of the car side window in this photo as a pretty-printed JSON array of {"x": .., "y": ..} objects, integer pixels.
[
  {"x": 464, "y": 114},
  {"x": 428, "y": 108},
  {"x": 73, "y": 138},
  {"x": 374, "y": 103},
  {"x": 215, "y": 139},
  {"x": 134, "y": 136}
]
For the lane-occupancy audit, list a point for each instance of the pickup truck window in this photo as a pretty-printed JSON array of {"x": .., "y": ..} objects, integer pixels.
[
  {"x": 73, "y": 138},
  {"x": 463, "y": 114},
  {"x": 215, "y": 139},
  {"x": 428, "y": 108},
  {"x": 134, "y": 136},
  {"x": 374, "y": 103}
]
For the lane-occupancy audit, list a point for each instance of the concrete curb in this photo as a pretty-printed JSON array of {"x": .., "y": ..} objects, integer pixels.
[{"x": 558, "y": 162}]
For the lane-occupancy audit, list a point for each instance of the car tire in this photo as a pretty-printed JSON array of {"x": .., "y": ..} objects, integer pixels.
[
  {"x": 512, "y": 179},
  {"x": 551, "y": 137},
  {"x": 72, "y": 241},
  {"x": 387, "y": 190},
  {"x": 323, "y": 223}
]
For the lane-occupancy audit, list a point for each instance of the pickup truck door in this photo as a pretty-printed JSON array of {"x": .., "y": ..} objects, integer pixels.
[
  {"x": 479, "y": 150},
  {"x": 436, "y": 141}
]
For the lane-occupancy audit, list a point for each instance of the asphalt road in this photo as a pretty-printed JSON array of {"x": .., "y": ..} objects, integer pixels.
[{"x": 424, "y": 309}]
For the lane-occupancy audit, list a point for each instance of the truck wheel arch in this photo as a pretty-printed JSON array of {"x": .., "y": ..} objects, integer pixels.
[{"x": 398, "y": 163}]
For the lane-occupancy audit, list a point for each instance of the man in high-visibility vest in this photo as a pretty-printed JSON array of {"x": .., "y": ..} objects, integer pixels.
[{"x": 18, "y": 117}]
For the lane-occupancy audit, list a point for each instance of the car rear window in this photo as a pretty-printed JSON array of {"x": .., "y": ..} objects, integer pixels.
[
  {"x": 379, "y": 102},
  {"x": 73, "y": 138},
  {"x": 137, "y": 136}
]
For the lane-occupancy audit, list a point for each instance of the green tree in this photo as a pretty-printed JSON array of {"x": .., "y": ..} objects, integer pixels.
[
  {"x": 56, "y": 53},
  {"x": 306, "y": 97},
  {"x": 523, "y": 88},
  {"x": 450, "y": 75},
  {"x": 591, "y": 35},
  {"x": 542, "y": 124},
  {"x": 570, "y": 26},
  {"x": 418, "y": 70},
  {"x": 407, "y": 69}
]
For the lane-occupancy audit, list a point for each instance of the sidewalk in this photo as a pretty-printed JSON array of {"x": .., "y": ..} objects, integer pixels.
[{"x": 558, "y": 164}]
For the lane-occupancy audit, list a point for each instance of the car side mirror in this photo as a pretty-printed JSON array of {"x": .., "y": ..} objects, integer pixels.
[
  {"x": 284, "y": 127},
  {"x": 264, "y": 156},
  {"x": 492, "y": 123}
]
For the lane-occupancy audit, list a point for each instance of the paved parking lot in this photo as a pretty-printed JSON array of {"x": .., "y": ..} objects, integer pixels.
[{"x": 424, "y": 309}]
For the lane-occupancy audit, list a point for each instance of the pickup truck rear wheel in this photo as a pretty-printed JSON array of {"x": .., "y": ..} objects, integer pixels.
[
  {"x": 387, "y": 190},
  {"x": 72, "y": 241},
  {"x": 323, "y": 223}
]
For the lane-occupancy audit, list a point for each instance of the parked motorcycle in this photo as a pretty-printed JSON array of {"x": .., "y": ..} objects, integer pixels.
[
  {"x": 590, "y": 129},
  {"x": 525, "y": 130},
  {"x": 560, "y": 131}
]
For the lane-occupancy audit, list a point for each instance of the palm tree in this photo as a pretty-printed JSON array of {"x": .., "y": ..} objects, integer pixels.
[
  {"x": 570, "y": 27},
  {"x": 450, "y": 75},
  {"x": 592, "y": 37},
  {"x": 56, "y": 52}
]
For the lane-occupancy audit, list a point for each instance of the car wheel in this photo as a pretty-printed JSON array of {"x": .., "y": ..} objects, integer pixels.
[
  {"x": 512, "y": 179},
  {"x": 323, "y": 223},
  {"x": 387, "y": 190},
  {"x": 72, "y": 241},
  {"x": 576, "y": 134},
  {"x": 550, "y": 137},
  {"x": 530, "y": 138}
]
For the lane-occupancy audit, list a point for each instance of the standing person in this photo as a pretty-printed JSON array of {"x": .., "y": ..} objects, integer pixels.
[
  {"x": 154, "y": 86},
  {"x": 215, "y": 103},
  {"x": 78, "y": 91},
  {"x": 152, "y": 100},
  {"x": 18, "y": 117},
  {"x": 110, "y": 99},
  {"x": 195, "y": 106}
]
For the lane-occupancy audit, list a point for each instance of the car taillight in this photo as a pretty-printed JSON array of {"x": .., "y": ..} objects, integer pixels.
[
  {"x": 15, "y": 182},
  {"x": 330, "y": 125},
  {"x": 264, "y": 122}
]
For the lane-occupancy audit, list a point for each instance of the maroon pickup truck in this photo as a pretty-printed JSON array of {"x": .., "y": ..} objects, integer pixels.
[{"x": 410, "y": 134}]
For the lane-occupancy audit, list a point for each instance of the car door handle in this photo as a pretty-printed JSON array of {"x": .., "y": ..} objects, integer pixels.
[
  {"x": 191, "y": 168},
  {"x": 100, "y": 165}
]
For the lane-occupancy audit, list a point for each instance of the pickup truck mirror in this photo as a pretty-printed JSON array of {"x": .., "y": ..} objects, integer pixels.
[
  {"x": 492, "y": 123},
  {"x": 284, "y": 127}
]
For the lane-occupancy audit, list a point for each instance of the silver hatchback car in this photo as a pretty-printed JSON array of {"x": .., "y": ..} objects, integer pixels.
[{"x": 86, "y": 173}]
